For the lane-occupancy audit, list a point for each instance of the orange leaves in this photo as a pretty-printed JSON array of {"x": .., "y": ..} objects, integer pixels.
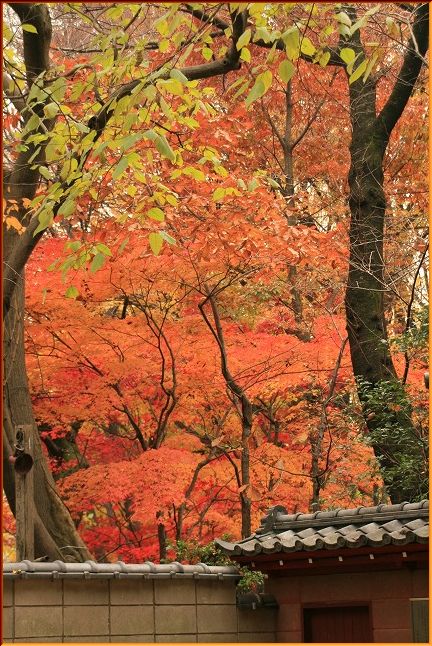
[
  {"x": 11, "y": 221},
  {"x": 155, "y": 480}
]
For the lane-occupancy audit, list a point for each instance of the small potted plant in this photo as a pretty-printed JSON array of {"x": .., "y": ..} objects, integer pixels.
[
  {"x": 250, "y": 588},
  {"x": 250, "y": 591}
]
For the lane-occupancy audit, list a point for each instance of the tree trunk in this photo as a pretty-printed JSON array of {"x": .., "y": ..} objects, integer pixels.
[
  {"x": 162, "y": 540},
  {"x": 246, "y": 503},
  {"x": 55, "y": 533},
  {"x": 244, "y": 408},
  {"x": 390, "y": 426}
]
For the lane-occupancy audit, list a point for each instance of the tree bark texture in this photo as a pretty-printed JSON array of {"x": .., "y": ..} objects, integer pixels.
[
  {"x": 55, "y": 533},
  {"x": 365, "y": 295}
]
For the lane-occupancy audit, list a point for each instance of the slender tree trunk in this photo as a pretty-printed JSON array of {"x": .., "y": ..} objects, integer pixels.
[
  {"x": 244, "y": 408},
  {"x": 162, "y": 539},
  {"x": 288, "y": 193}
]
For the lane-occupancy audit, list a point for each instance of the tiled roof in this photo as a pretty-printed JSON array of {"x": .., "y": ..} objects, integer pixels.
[
  {"x": 363, "y": 526},
  {"x": 119, "y": 570}
]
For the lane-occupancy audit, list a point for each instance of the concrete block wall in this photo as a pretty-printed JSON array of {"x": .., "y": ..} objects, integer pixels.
[
  {"x": 130, "y": 610},
  {"x": 387, "y": 593}
]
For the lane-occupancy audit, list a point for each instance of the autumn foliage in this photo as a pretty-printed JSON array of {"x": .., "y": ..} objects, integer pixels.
[{"x": 163, "y": 272}]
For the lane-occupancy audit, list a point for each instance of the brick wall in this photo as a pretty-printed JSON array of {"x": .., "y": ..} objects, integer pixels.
[
  {"x": 130, "y": 610},
  {"x": 387, "y": 593}
]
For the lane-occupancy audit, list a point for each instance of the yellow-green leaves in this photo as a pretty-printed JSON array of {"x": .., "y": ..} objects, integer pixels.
[
  {"x": 190, "y": 171},
  {"x": 244, "y": 39},
  {"x": 245, "y": 55},
  {"x": 179, "y": 76},
  {"x": 156, "y": 213},
  {"x": 324, "y": 59},
  {"x": 31, "y": 29},
  {"x": 101, "y": 251},
  {"x": 218, "y": 194},
  {"x": 97, "y": 262},
  {"x": 45, "y": 218},
  {"x": 359, "y": 71},
  {"x": 172, "y": 85},
  {"x": 156, "y": 242},
  {"x": 206, "y": 53},
  {"x": 121, "y": 167},
  {"x": 166, "y": 236},
  {"x": 256, "y": 92},
  {"x": 347, "y": 55},
  {"x": 129, "y": 141},
  {"x": 363, "y": 69},
  {"x": 262, "y": 83},
  {"x": 195, "y": 173},
  {"x": 161, "y": 144},
  {"x": 262, "y": 33},
  {"x": 252, "y": 185},
  {"x": 373, "y": 59},
  {"x": 344, "y": 23},
  {"x": 164, "y": 45},
  {"x": 50, "y": 110},
  {"x": 166, "y": 108},
  {"x": 307, "y": 47},
  {"x": 72, "y": 292},
  {"x": 68, "y": 168},
  {"x": 162, "y": 26},
  {"x": 343, "y": 18},
  {"x": 43, "y": 170},
  {"x": 67, "y": 208},
  {"x": 291, "y": 38},
  {"x": 286, "y": 70}
]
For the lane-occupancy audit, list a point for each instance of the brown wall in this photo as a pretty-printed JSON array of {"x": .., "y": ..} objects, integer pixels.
[
  {"x": 132, "y": 610},
  {"x": 387, "y": 594}
]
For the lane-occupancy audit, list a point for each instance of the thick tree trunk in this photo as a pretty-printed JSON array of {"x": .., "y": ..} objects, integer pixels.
[
  {"x": 388, "y": 419},
  {"x": 55, "y": 533}
]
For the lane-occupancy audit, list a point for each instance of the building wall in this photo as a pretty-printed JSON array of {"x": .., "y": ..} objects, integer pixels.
[
  {"x": 130, "y": 610},
  {"x": 387, "y": 593}
]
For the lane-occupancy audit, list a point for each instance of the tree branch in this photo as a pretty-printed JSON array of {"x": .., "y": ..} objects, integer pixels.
[
  {"x": 205, "y": 17},
  {"x": 409, "y": 72},
  {"x": 29, "y": 13},
  {"x": 409, "y": 317}
]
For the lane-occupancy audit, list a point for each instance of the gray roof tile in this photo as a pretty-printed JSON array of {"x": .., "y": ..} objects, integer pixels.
[
  {"x": 394, "y": 525},
  {"x": 91, "y": 569},
  {"x": 377, "y": 526}
]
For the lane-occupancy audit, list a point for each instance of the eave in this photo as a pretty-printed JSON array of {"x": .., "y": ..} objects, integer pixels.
[{"x": 343, "y": 560}]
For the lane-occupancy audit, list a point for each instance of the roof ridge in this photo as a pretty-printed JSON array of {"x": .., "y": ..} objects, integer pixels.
[
  {"x": 375, "y": 527},
  {"x": 278, "y": 515},
  {"x": 119, "y": 568}
]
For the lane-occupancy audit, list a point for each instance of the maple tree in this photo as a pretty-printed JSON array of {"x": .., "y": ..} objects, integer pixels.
[{"x": 198, "y": 369}]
